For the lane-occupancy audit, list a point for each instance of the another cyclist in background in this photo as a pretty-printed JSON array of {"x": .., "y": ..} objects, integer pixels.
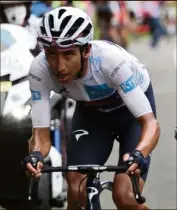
[
  {"x": 113, "y": 93},
  {"x": 19, "y": 13}
]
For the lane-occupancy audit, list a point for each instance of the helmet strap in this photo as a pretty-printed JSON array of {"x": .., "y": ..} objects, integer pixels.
[{"x": 80, "y": 72}]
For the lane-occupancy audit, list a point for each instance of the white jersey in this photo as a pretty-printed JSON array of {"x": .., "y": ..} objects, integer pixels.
[{"x": 114, "y": 78}]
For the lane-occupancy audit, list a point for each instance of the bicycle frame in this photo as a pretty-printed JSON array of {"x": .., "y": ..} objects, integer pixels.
[{"x": 94, "y": 188}]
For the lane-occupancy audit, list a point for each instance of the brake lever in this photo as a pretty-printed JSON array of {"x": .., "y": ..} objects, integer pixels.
[
  {"x": 30, "y": 188},
  {"x": 139, "y": 198},
  {"x": 34, "y": 162}
]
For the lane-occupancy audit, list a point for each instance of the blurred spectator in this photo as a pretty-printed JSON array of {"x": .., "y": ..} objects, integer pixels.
[
  {"x": 55, "y": 4},
  {"x": 104, "y": 16},
  {"x": 19, "y": 13},
  {"x": 15, "y": 12},
  {"x": 168, "y": 16},
  {"x": 39, "y": 8},
  {"x": 120, "y": 22},
  {"x": 151, "y": 16}
]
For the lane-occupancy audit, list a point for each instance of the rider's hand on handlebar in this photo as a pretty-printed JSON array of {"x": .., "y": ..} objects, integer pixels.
[
  {"x": 133, "y": 168},
  {"x": 31, "y": 170},
  {"x": 136, "y": 162},
  {"x": 34, "y": 164}
]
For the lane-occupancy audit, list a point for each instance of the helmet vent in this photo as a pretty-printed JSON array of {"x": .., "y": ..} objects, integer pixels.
[
  {"x": 43, "y": 31},
  {"x": 87, "y": 29},
  {"x": 51, "y": 20},
  {"x": 64, "y": 23},
  {"x": 61, "y": 11},
  {"x": 75, "y": 26}
]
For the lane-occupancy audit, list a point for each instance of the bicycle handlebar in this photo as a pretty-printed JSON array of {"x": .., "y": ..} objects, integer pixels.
[
  {"x": 85, "y": 168},
  {"x": 99, "y": 169}
]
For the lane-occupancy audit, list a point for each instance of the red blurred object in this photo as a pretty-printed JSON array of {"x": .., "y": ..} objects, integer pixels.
[{"x": 142, "y": 29}]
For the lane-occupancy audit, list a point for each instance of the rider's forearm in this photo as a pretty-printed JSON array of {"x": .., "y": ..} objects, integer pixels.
[
  {"x": 149, "y": 136},
  {"x": 40, "y": 141}
]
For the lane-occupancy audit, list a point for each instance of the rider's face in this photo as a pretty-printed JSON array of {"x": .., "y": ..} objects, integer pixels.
[{"x": 64, "y": 64}]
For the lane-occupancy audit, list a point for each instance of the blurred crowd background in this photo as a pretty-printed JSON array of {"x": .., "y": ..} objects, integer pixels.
[
  {"x": 122, "y": 22},
  {"x": 117, "y": 21}
]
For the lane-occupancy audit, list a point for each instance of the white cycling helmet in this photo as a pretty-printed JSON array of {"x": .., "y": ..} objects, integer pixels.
[{"x": 65, "y": 27}]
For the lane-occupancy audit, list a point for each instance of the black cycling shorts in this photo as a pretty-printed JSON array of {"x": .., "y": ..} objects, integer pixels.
[{"x": 92, "y": 136}]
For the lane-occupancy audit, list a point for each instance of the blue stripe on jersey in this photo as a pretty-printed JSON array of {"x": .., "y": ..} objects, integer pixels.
[{"x": 98, "y": 91}]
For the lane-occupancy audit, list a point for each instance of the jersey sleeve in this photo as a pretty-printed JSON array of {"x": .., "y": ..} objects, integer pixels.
[
  {"x": 40, "y": 94},
  {"x": 119, "y": 72}
]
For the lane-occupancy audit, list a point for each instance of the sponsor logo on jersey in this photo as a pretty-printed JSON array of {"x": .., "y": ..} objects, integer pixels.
[
  {"x": 96, "y": 62},
  {"x": 129, "y": 84},
  {"x": 34, "y": 77},
  {"x": 117, "y": 68},
  {"x": 98, "y": 91},
  {"x": 36, "y": 95}
]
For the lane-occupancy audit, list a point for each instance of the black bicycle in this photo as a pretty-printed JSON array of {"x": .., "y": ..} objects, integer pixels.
[{"x": 93, "y": 185}]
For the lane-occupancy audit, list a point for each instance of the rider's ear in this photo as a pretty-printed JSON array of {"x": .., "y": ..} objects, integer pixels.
[{"x": 87, "y": 51}]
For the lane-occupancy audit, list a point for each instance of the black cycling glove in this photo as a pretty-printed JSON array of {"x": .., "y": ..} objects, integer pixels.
[
  {"x": 137, "y": 157},
  {"x": 33, "y": 158}
]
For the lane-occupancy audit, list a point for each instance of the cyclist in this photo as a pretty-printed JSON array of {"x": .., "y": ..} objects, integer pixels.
[{"x": 113, "y": 93}]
